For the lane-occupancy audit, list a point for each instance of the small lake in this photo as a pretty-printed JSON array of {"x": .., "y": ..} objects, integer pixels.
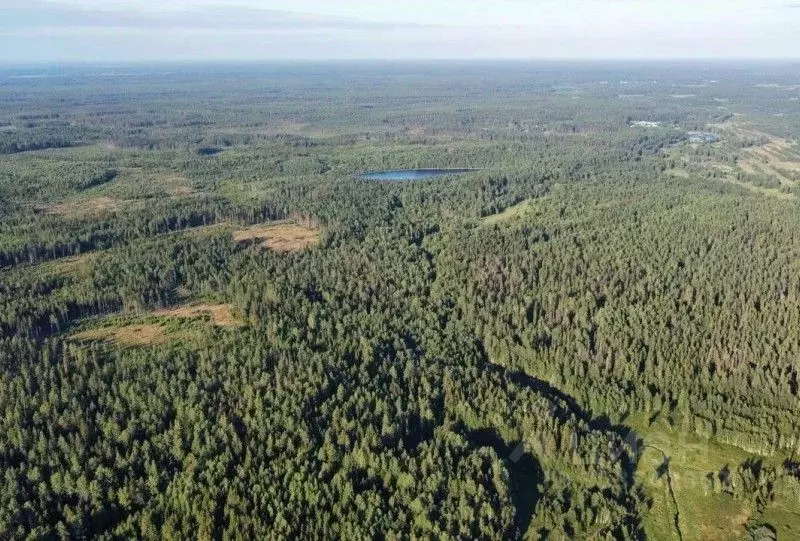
[{"x": 411, "y": 174}]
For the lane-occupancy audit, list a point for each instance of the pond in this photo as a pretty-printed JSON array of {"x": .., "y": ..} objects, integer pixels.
[{"x": 410, "y": 174}]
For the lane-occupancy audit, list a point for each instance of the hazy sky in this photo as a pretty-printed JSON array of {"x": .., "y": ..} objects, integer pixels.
[{"x": 134, "y": 30}]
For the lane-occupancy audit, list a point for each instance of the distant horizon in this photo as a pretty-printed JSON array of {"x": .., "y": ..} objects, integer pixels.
[
  {"x": 410, "y": 60},
  {"x": 65, "y": 31}
]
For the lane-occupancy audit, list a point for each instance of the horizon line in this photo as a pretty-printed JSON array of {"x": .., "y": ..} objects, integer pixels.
[{"x": 243, "y": 61}]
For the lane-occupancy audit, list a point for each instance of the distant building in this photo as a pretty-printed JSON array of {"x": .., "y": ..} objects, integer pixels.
[
  {"x": 702, "y": 137},
  {"x": 645, "y": 124}
]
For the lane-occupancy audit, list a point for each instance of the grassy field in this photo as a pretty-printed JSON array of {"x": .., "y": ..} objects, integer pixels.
[
  {"x": 283, "y": 236},
  {"x": 172, "y": 325},
  {"x": 219, "y": 314},
  {"x": 517, "y": 212},
  {"x": 703, "y": 513},
  {"x": 143, "y": 334}
]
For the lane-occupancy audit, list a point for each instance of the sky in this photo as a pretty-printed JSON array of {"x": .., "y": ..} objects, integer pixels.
[{"x": 35, "y": 31}]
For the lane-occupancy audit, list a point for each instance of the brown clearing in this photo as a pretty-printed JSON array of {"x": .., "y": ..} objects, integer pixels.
[
  {"x": 129, "y": 335},
  {"x": 220, "y": 313},
  {"x": 776, "y": 154},
  {"x": 182, "y": 190},
  {"x": 148, "y": 334},
  {"x": 742, "y": 518},
  {"x": 93, "y": 206},
  {"x": 171, "y": 185},
  {"x": 283, "y": 236}
]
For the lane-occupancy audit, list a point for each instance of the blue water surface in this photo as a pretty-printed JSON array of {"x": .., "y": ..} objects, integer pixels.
[{"x": 411, "y": 174}]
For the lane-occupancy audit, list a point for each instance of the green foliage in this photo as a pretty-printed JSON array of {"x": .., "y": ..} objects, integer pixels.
[{"x": 456, "y": 358}]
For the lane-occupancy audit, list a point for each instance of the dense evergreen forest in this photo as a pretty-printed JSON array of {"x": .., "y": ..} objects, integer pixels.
[{"x": 212, "y": 328}]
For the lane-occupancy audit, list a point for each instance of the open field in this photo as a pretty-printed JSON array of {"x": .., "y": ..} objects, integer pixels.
[
  {"x": 95, "y": 206},
  {"x": 144, "y": 334},
  {"x": 156, "y": 330},
  {"x": 513, "y": 213},
  {"x": 220, "y": 314},
  {"x": 79, "y": 265},
  {"x": 704, "y": 513},
  {"x": 284, "y": 236}
]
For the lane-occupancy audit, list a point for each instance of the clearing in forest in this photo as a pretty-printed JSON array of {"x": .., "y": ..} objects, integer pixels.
[
  {"x": 94, "y": 206},
  {"x": 204, "y": 230},
  {"x": 132, "y": 187},
  {"x": 778, "y": 158},
  {"x": 676, "y": 471},
  {"x": 774, "y": 156},
  {"x": 141, "y": 183},
  {"x": 511, "y": 213},
  {"x": 145, "y": 334},
  {"x": 282, "y": 236},
  {"x": 177, "y": 185},
  {"x": 769, "y": 166},
  {"x": 78, "y": 265},
  {"x": 152, "y": 333},
  {"x": 220, "y": 314}
]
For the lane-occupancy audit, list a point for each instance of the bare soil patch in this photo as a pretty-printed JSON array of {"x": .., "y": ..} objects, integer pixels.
[
  {"x": 283, "y": 236},
  {"x": 129, "y": 335},
  {"x": 94, "y": 206},
  {"x": 220, "y": 314}
]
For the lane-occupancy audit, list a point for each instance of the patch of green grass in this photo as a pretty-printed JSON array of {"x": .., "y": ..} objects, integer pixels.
[
  {"x": 79, "y": 267},
  {"x": 512, "y": 213},
  {"x": 148, "y": 330},
  {"x": 703, "y": 513},
  {"x": 784, "y": 516}
]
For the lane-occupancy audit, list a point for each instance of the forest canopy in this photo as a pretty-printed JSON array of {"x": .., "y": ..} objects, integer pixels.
[{"x": 211, "y": 327}]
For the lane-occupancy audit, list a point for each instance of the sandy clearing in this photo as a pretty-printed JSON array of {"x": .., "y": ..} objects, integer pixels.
[{"x": 283, "y": 236}]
